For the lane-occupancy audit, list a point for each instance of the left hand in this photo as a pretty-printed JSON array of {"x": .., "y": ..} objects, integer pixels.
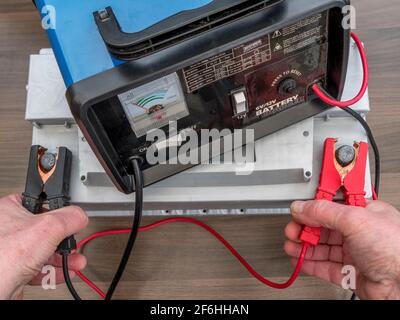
[{"x": 28, "y": 243}]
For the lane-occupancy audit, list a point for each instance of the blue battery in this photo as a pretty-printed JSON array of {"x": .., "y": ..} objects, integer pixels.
[{"x": 77, "y": 44}]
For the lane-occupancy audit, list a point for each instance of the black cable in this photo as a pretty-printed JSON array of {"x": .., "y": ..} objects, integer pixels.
[
  {"x": 138, "y": 176},
  {"x": 67, "y": 279},
  {"x": 371, "y": 139},
  {"x": 373, "y": 144},
  {"x": 139, "y": 184}
]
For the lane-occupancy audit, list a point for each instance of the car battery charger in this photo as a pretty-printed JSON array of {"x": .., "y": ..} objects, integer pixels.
[{"x": 134, "y": 66}]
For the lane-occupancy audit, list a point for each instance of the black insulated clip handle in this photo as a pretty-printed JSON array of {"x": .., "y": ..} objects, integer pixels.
[{"x": 48, "y": 180}]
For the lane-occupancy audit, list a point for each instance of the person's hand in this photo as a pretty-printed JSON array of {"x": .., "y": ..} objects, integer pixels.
[
  {"x": 365, "y": 238},
  {"x": 28, "y": 242}
]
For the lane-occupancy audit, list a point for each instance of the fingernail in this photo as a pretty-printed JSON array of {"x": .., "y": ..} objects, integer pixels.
[{"x": 298, "y": 207}]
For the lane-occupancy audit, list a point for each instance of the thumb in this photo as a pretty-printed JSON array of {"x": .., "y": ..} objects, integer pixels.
[
  {"x": 330, "y": 215},
  {"x": 66, "y": 221}
]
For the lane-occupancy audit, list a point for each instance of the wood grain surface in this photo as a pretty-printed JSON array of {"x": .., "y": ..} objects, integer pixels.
[{"x": 182, "y": 262}]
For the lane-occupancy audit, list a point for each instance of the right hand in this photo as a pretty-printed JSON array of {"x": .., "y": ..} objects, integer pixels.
[{"x": 365, "y": 238}]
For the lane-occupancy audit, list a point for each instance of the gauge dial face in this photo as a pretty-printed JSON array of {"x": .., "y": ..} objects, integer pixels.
[{"x": 154, "y": 105}]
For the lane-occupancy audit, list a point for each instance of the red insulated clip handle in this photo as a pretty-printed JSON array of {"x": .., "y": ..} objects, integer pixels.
[
  {"x": 331, "y": 181},
  {"x": 354, "y": 182}
]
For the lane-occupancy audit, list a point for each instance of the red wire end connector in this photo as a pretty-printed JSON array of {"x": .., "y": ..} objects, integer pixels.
[{"x": 311, "y": 236}]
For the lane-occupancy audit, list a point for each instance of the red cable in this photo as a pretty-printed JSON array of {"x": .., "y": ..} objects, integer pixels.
[
  {"x": 204, "y": 226},
  {"x": 91, "y": 284},
  {"x": 344, "y": 104}
]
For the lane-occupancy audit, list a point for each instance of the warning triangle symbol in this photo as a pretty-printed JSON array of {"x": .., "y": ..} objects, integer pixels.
[
  {"x": 277, "y": 34},
  {"x": 278, "y": 47}
]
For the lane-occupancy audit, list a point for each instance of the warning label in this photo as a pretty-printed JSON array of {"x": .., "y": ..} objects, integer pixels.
[
  {"x": 270, "y": 47},
  {"x": 228, "y": 64},
  {"x": 301, "y": 24}
]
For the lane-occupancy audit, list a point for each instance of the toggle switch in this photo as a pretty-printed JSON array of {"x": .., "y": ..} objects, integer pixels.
[{"x": 239, "y": 99}]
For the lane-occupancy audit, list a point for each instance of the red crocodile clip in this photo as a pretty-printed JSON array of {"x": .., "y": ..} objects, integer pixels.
[{"x": 335, "y": 175}]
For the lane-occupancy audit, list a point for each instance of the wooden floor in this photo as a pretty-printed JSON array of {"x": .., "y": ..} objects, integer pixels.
[{"x": 180, "y": 262}]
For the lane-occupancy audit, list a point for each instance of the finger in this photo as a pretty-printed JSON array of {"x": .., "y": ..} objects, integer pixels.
[
  {"x": 321, "y": 252},
  {"x": 331, "y": 237},
  {"x": 65, "y": 222},
  {"x": 293, "y": 230},
  {"x": 56, "y": 277},
  {"x": 76, "y": 261},
  {"x": 15, "y": 198},
  {"x": 378, "y": 206},
  {"x": 13, "y": 203},
  {"x": 333, "y": 216},
  {"x": 325, "y": 270}
]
